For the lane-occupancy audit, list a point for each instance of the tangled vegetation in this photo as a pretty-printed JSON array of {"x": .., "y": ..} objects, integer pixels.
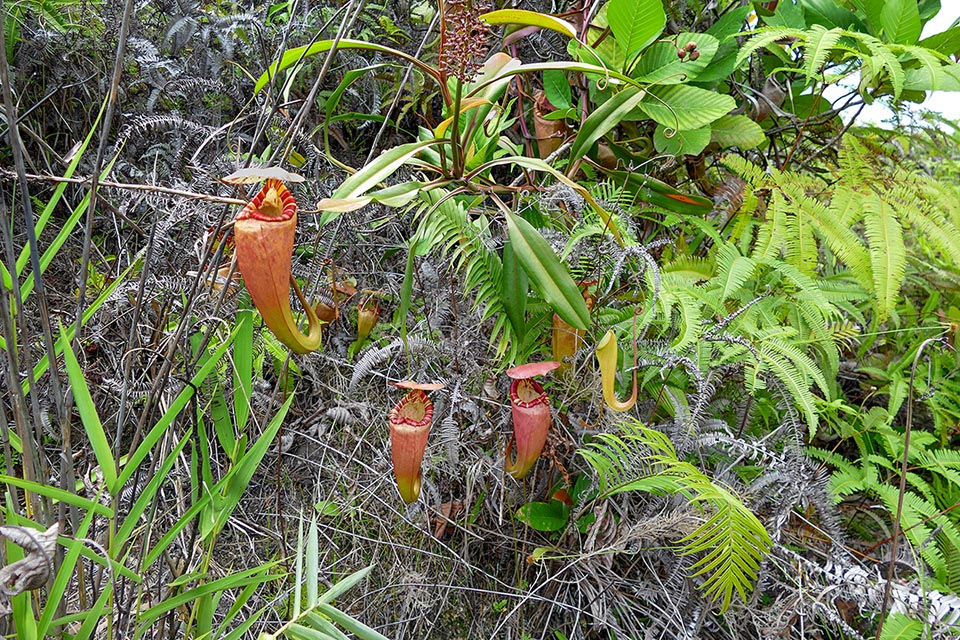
[{"x": 520, "y": 214}]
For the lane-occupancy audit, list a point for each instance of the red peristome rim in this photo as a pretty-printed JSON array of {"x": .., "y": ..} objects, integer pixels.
[
  {"x": 532, "y": 369},
  {"x": 252, "y": 209},
  {"x": 542, "y": 397},
  {"x": 397, "y": 419},
  {"x": 422, "y": 386}
]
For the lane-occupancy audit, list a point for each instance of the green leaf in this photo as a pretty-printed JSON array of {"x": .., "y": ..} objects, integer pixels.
[
  {"x": 514, "y": 292},
  {"x": 661, "y": 65},
  {"x": 296, "y": 55},
  {"x": 900, "y": 21},
  {"x": 899, "y": 627},
  {"x": 530, "y": 19},
  {"x": 544, "y": 516},
  {"x": 736, "y": 131},
  {"x": 888, "y": 256},
  {"x": 829, "y": 14},
  {"x": 607, "y": 116},
  {"x": 547, "y": 273},
  {"x": 91, "y": 419},
  {"x": 683, "y": 107},
  {"x": 820, "y": 42},
  {"x": 371, "y": 175},
  {"x": 689, "y": 142},
  {"x": 557, "y": 88},
  {"x": 946, "y": 42},
  {"x": 635, "y": 23}
]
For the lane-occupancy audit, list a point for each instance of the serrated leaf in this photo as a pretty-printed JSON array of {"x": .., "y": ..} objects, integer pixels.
[
  {"x": 683, "y": 107},
  {"x": 736, "y": 131},
  {"x": 547, "y": 273},
  {"x": 635, "y": 23},
  {"x": 820, "y": 41},
  {"x": 661, "y": 65},
  {"x": 900, "y": 21}
]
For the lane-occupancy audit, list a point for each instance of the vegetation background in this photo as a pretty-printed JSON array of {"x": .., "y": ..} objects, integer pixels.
[{"x": 662, "y": 195}]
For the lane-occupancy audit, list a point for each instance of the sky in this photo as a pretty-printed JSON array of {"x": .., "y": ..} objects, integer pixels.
[{"x": 946, "y": 102}]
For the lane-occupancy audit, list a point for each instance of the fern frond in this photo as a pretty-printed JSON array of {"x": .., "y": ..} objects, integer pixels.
[
  {"x": 888, "y": 254},
  {"x": 732, "y": 539}
]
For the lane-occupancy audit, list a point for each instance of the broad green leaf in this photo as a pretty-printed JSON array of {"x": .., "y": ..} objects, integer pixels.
[
  {"x": 91, "y": 419},
  {"x": 547, "y": 273},
  {"x": 536, "y": 164},
  {"x": 684, "y": 107},
  {"x": 607, "y": 116},
  {"x": 788, "y": 15},
  {"x": 530, "y": 19},
  {"x": 872, "y": 10},
  {"x": 515, "y": 289},
  {"x": 352, "y": 625},
  {"x": 609, "y": 75},
  {"x": 682, "y": 143},
  {"x": 829, "y": 14},
  {"x": 544, "y": 516},
  {"x": 661, "y": 65},
  {"x": 900, "y": 21},
  {"x": 635, "y": 23},
  {"x": 736, "y": 131},
  {"x": 345, "y": 585},
  {"x": 243, "y": 368},
  {"x": 946, "y": 42},
  {"x": 557, "y": 88}
]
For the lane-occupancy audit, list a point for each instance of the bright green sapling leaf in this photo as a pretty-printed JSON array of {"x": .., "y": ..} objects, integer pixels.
[
  {"x": 661, "y": 64},
  {"x": 557, "y": 88},
  {"x": 544, "y": 516},
  {"x": 635, "y": 23},
  {"x": 736, "y": 131},
  {"x": 684, "y": 107},
  {"x": 682, "y": 143}
]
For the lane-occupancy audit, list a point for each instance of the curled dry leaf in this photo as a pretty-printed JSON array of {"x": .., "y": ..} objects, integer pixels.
[{"x": 33, "y": 570}]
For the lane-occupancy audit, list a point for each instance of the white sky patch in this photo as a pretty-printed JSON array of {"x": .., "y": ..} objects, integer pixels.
[{"x": 944, "y": 102}]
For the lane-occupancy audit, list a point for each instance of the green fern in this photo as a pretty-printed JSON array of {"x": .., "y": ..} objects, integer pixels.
[{"x": 732, "y": 539}]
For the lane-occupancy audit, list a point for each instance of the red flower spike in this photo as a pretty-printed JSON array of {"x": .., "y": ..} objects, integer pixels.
[
  {"x": 530, "y": 407},
  {"x": 409, "y": 428},
  {"x": 264, "y": 232}
]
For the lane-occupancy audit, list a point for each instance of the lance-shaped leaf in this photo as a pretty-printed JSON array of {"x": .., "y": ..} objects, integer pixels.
[
  {"x": 604, "y": 118},
  {"x": 264, "y": 233},
  {"x": 530, "y": 19},
  {"x": 546, "y": 272}
]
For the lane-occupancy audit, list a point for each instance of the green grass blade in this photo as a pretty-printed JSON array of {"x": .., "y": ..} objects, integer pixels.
[{"x": 90, "y": 419}]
